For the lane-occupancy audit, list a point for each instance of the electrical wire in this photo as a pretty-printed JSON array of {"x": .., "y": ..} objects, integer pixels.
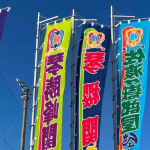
[
  {"x": 9, "y": 110},
  {"x": 7, "y": 144},
  {"x": 12, "y": 125},
  {"x": 3, "y": 130},
  {"x": 13, "y": 94}
]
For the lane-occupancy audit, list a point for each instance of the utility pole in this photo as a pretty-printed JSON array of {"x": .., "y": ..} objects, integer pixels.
[{"x": 24, "y": 96}]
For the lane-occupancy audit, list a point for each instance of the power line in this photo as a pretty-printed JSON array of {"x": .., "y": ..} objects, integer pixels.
[
  {"x": 7, "y": 144},
  {"x": 13, "y": 94},
  {"x": 3, "y": 130},
  {"x": 9, "y": 110},
  {"x": 12, "y": 125}
]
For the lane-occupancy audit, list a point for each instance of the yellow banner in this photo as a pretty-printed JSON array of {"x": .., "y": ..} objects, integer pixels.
[{"x": 48, "y": 131}]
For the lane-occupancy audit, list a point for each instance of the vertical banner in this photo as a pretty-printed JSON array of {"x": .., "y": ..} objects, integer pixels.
[
  {"x": 48, "y": 132},
  {"x": 133, "y": 65},
  {"x": 91, "y": 69},
  {"x": 3, "y": 15}
]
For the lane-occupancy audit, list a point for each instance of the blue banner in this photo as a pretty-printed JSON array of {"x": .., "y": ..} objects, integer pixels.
[
  {"x": 3, "y": 15},
  {"x": 91, "y": 69},
  {"x": 133, "y": 65}
]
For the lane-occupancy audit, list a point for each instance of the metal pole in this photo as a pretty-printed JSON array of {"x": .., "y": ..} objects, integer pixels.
[
  {"x": 24, "y": 122},
  {"x": 113, "y": 81},
  {"x": 34, "y": 86},
  {"x": 72, "y": 83}
]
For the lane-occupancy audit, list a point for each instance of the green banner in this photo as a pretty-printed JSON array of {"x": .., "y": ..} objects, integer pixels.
[{"x": 48, "y": 132}]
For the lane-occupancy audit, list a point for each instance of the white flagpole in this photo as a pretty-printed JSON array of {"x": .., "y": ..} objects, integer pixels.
[{"x": 34, "y": 87}]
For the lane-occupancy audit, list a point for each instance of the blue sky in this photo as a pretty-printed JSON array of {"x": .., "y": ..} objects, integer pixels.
[{"x": 17, "y": 50}]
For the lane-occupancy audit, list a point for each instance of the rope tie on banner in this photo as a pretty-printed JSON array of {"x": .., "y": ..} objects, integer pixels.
[
  {"x": 77, "y": 59},
  {"x": 39, "y": 65},
  {"x": 75, "y": 62},
  {"x": 84, "y": 22},
  {"x": 75, "y": 78},
  {"x": 58, "y": 20},
  {"x": 32, "y": 126},
  {"x": 128, "y": 21},
  {"x": 74, "y": 137},
  {"x": 37, "y": 101},
  {"x": 139, "y": 20},
  {"x": 76, "y": 43},
  {"x": 114, "y": 97},
  {"x": 44, "y": 28},
  {"x": 74, "y": 81},
  {"x": 75, "y": 98},
  {"x": 118, "y": 24},
  {"x": 73, "y": 65},
  {"x": 34, "y": 87},
  {"x": 113, "y": 136},
  {"x": 113, "y": 61},
  {"x": 42, "y": 46},
  {"x": 35, "y": 67},
  {"x": 117, "y": 55},
  {"x": 35, "y": 121},
  {"x": 31, "y": 146},
  {"x": 117, "y": 40},
  {"x": 75, "y": 115},
  {"x": 79, "y": 25},
  {"x": 8, "y": 9},
  {"x": 73, "y": 121},
  {"x": 37, "y": 85},
  {"x": 71, "y": 83},
  {"x": 33, "y": 107},
  {"x": 113, "y": 114},
  {"x": 114, "y": 79},
  {"x": 72, "y": 103},
  {"x": 92, "y": 23}
]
